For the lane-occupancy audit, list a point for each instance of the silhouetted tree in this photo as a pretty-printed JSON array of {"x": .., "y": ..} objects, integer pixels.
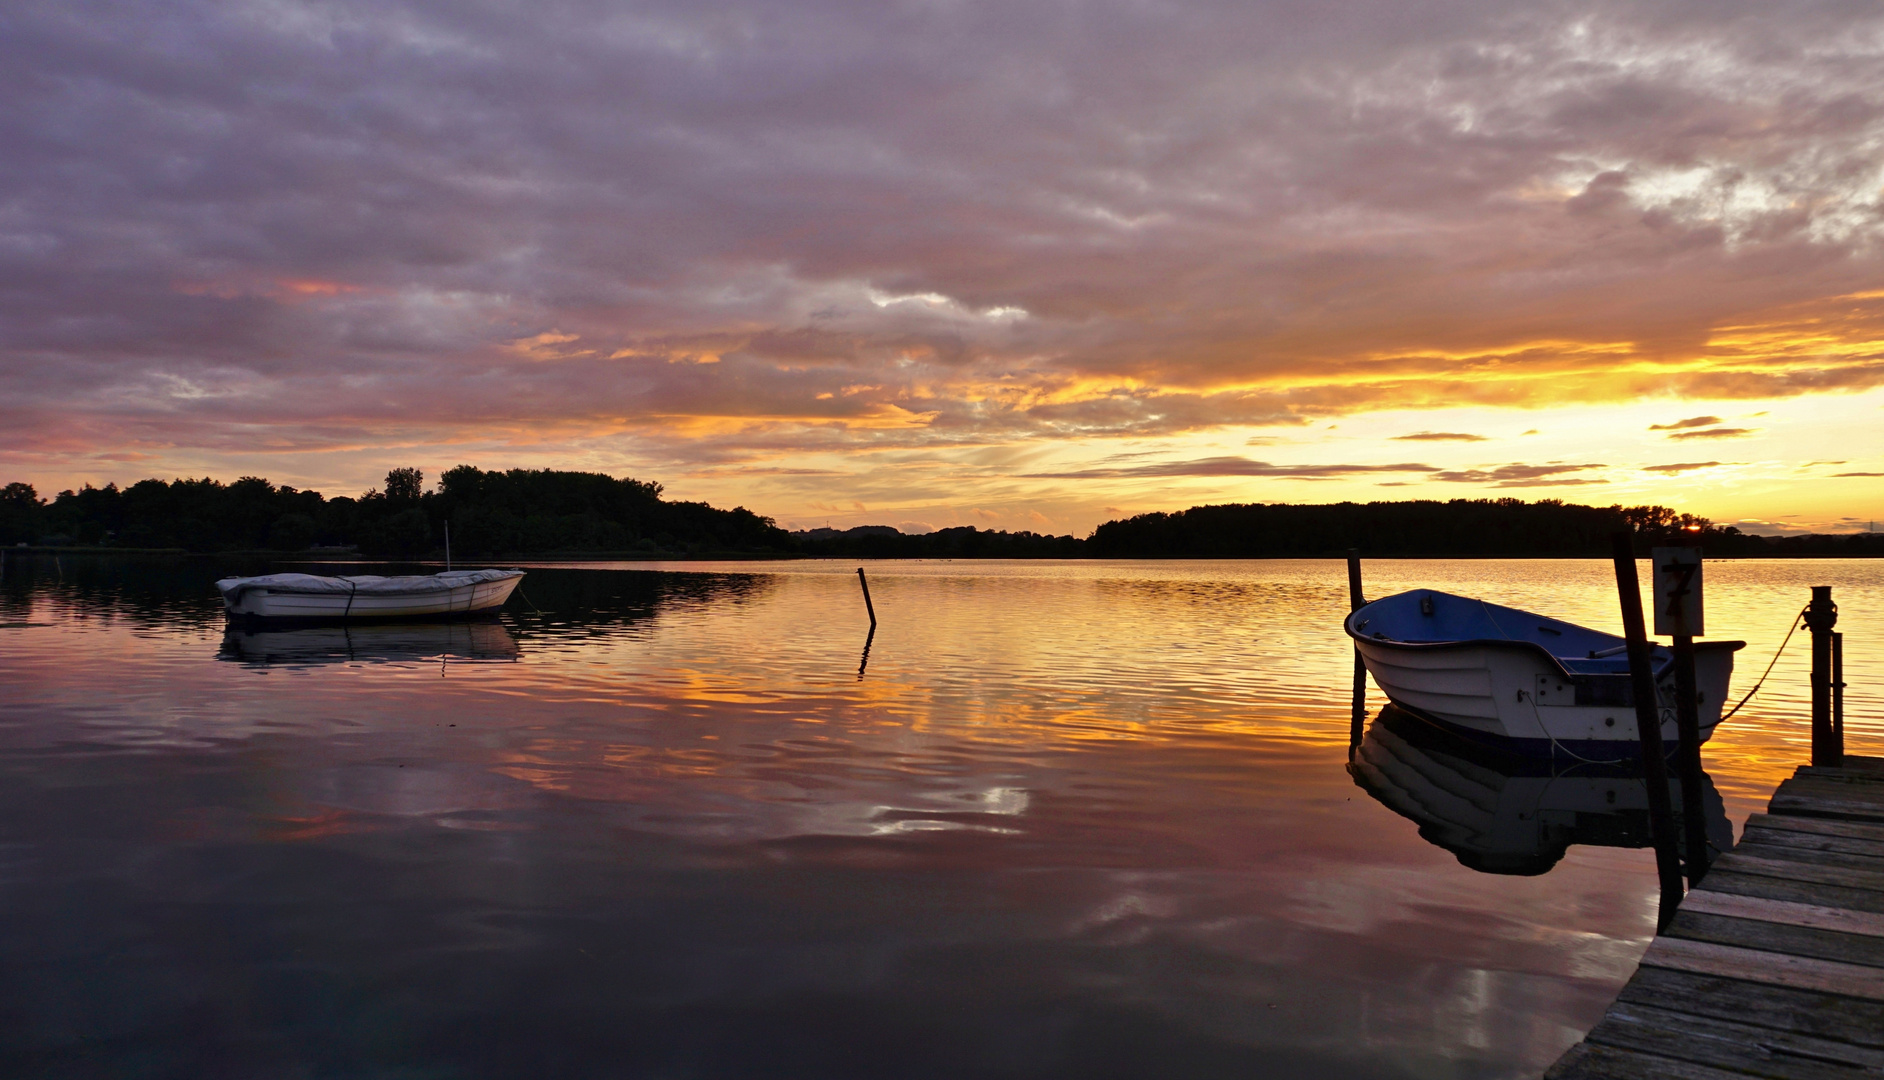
[{"x": 405, "y": 485}]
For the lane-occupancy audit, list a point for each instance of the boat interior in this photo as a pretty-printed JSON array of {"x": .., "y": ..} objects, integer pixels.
[{"x": 1431, "y": 617}]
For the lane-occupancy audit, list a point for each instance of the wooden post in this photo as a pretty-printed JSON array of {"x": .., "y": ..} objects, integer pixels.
[
  {"x": 1688, "y": 759},
  {"x": 1838, "y": 690},
  {"x": 1355, "y": 600},
  {"x": 1821, "y": 615},
  {"x": 861, "y": 580},
  {"x": 1648, "y": 725},
  {"x": 1681, "y": 573}
]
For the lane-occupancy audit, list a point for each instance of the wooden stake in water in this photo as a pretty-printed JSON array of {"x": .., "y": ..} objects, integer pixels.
[
  {"x": 1648, "y": 724},
  {"x": 861, "y": 580}
]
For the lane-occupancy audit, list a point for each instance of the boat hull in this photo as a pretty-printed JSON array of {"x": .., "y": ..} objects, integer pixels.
[
  {"x": 471, "y": 598},
  {"x": 1517, "y": 698}
]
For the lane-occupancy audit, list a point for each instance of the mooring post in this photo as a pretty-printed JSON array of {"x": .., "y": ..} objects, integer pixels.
[
  {"x": 1648, "y": 726},
  {"x": 1828, "y": 751},
  {"x": 1355, "y": 600},
  {"x": 1688, "y": 758},
  {"x": 1838, "y": 690},
  {"x": 865, "y": 582},
  {"x": 1678, "y": 614}
]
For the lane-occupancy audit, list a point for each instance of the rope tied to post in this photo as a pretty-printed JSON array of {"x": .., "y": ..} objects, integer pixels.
[{"x": 1797, "y": 621}]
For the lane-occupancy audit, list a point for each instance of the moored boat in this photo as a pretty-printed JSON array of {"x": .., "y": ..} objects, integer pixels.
[
  {"x": 308, "y": 596},
  {"x": 1528, "y": 682}
]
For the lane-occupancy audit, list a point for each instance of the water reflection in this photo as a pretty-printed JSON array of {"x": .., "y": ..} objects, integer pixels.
[
  {"x": 480, "y": 639},
  {"x": 1508, "y": 814},
  {"x": 1079, "y": 819}
]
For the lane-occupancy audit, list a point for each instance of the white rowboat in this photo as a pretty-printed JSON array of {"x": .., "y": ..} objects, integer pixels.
[
  {"x": 1531, "y": 683},
  {"x": 307, "y": 596}
]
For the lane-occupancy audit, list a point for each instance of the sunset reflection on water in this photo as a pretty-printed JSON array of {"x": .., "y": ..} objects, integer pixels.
[{"x": 1073, "y": 819}]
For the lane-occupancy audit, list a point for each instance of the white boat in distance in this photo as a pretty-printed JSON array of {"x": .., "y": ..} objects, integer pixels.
[
  {"x": 307, "y": 596},
  {"x": 1529, "y": 683}
]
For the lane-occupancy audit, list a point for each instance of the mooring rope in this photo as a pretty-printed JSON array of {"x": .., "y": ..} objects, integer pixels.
[
  {"x": 527, "y": 600},
  {"x": 1769, "y": 667}
]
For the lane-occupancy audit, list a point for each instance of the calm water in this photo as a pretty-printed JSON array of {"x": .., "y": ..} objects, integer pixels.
[{"x": 1069, "y": 819}]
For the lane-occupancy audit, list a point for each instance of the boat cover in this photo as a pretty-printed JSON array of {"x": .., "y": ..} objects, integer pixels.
[{"x": 362, "y": 585}]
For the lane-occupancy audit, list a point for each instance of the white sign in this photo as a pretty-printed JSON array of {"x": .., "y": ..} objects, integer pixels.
[{"x": 1678, "y": 591}]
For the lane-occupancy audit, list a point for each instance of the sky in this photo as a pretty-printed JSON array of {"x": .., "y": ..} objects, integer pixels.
[{"x": 1009, "y": 264}]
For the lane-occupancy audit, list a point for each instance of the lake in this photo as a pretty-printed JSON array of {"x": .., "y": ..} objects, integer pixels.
[{"x": 1063, "y": 819}]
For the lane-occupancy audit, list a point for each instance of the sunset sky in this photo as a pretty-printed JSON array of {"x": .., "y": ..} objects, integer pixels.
[{"x": 1009, "y": 264}]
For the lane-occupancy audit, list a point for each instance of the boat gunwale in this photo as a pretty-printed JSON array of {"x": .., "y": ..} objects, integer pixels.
[{"x": 1347, "y": 625}]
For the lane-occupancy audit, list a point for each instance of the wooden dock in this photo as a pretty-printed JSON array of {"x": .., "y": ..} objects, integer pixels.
[{"x": 1774, "y": 965}]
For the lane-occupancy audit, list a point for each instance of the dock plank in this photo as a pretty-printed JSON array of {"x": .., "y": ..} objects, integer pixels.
[
  {"x": 1759, "y": 965},
  {"x": 1793, "y": 866},
  {"x": 1774, "y": 965},
  {"x": 1755, "y": 848},
  {"x": 1759, "y": 1005},
  {"x": 1842, "y": 845},
  {"x": 1849, "y": 802},
  {"x": 1779, "y": 937},
  {"x": 1594, "y": 1061},
  {"x": 1790, "y": 913},
  {"x": 1840, "y": 775},
  {"x": 1727, "y": 1045},
  {"x": 1856, "y": 830},
  {"x": 1781, "y": 888}
]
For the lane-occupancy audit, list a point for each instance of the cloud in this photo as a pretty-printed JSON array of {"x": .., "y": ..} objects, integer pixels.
[
  {"x": 1226, "y": 466},
  {"x": 686, "y": 235},
  {"x": 1521, "y": 476},
  {"x": 1859, "y": 474},
  {"x": 1690, "y": 422},
  {"x": 1439, "y": 436},
  {"x": 1714, "y": 433},
  {"x": 1681, "y": 467}
]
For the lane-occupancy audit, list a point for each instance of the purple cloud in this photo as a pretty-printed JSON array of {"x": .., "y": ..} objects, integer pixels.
[{"x": 692, "y": 236}]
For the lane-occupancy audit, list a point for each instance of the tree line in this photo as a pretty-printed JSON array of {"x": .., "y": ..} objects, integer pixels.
[
  {"x": 518, "y": 511},
  {"x": 535, "y": 511},
  {"x": 1457, "y": 528}
]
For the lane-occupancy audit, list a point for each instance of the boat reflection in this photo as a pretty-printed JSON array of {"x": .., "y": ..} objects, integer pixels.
[
  {"x": 1505, "y": 814},
  {"x": 485, "y": 639}
]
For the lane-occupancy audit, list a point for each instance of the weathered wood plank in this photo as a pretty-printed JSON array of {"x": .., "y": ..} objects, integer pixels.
[
  {"x": 1755, "y": 965},
  {"x": 1588, "y": 1061},
  {"x": 1798, "y": 869},
  {"x": 1815, "y": 798},
  {"x": 1856, "y": 830},
  {"x": 1780, "y": 938},
  {"x": 1844, "y": 787},
  {"x": 1838, "y": 776},
  {"x": 1835, "y": 809},
  {"x": 1752, "y": 847},
  {"x": 1707, "y": 901},
  {"x": 1783, "y": 1008},
  {"x": 1842, "y": 845},
  {"x": 1774, "y": 966},
  {"x": 1724, "y": 1044},
  {"x": 1779, "y": 888}
]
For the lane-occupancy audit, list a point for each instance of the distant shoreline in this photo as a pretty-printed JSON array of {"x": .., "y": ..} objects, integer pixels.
[{"x": 326, "y": 558}]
